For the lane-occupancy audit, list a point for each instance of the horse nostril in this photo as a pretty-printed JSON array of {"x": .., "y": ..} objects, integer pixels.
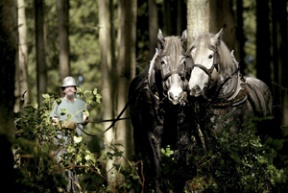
[
  {"x": 197, "y": 88},
  {"x": 172, "y": 96}
]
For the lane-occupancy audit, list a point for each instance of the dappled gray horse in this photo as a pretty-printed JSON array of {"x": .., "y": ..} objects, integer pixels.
[
  {"x": 157, "y": 98},
  {"x": 224, "y": 103},
  {"x": 227, "y": 98}
]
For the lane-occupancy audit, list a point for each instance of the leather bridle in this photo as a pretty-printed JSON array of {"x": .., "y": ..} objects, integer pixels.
[{"x": 216, "y": 63}]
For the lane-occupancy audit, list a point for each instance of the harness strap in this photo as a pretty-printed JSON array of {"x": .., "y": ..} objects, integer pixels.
[
  {"x": 181, "y": 74},
  {"x": 239, "y": 98}
]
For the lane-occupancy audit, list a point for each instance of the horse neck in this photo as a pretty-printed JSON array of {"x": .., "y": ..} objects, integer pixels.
[{"x": 228, "y": 83}]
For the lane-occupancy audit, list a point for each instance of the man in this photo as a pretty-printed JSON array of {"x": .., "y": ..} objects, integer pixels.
[
  {"x": 71, "y": 112},
  {"x": 69, "y": 115}
]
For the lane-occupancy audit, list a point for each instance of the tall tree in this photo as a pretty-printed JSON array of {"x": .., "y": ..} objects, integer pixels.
[
  {"x": 63, "y": 23},
  {"x": 40, "y": 49},
  {"x": 153, "y": 26},
  {"x": 174, "y": 17},
  {"x": 240, "y": 35},
  {"x": 126, "y": 69},
  {"x": 280, "y": 60},
  {"x": 211, "y": 16},
  {"x": 21, "y": 77},
  {"x": 263, "y": 57},
  {"x": 8, "y": 52},
  {"x": 108, "y": 69},
  {"x": 181, "y": 18}
]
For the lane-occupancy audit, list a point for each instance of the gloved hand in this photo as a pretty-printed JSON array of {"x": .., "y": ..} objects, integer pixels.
[
  {"x": 55, "y": 121},
  {"x": 68, "y": 125},
  {"x": 86, "y": 121}
]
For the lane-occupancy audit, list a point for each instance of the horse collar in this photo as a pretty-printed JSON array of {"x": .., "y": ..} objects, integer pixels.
[{"x": 237, "y": 96}]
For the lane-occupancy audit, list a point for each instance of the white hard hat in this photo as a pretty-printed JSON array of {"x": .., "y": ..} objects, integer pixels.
[{"x": 68, "y": 81}]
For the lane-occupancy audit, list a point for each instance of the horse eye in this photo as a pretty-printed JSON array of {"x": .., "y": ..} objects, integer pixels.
[
  {"x": 210, "y": 56},
  {"x": 163, "y": 62}
]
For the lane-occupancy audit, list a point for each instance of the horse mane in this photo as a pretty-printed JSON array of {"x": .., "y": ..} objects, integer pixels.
[
  {"x": 226, "y": 58},
  {"x": 172, "y": 45}
]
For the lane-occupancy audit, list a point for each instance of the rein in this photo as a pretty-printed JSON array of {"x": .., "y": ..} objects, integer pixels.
[
  {"x": 216, "y": 65},
  {"x": 118, "y": 118},
  {"x": 224, "y": 82},
  {"x": 238, "y": 99}
]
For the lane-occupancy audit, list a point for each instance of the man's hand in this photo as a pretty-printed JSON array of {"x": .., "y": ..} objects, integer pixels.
[
  {"x": 85, "y": 120},
  {"x": 55, "y": 121},
  {"x": 70, "y": 125}
]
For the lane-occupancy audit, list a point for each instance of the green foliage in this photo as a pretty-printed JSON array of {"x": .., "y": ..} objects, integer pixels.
[
  {"x": 241, "y": 162},
  {"x": 34, "y": 147}
]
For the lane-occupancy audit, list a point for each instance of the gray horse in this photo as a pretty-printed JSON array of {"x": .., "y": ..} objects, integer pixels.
[
  {"x": 224, "y": 101},
  {"x": 157, "y": 108},
  {"x": 215, "y": 78}
]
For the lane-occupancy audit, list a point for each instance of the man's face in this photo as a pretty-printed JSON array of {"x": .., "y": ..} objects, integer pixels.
[{"x": 69, "y": 90}]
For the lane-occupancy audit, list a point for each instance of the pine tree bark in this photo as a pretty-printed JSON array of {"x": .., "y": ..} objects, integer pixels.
[
  {"x": 211, "y": 16},
  {"x": 8, "y": 54},
  {"x": 21, "y": 77},
  {"x": 63, "y": 23},
  {"x": 263, "y": 56},
  {"x": 126, "y": 70},
  {"x": 40, "y": 50},
  {"x": 280, "y": 60},
  {"x": 108, "y": 69},
  {"x": 153, "y": 26}
]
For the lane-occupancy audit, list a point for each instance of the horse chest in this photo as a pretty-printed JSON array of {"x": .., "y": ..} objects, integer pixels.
[
  {"x": 219, "y": 119},
  {"x": 220, "y": 111}
]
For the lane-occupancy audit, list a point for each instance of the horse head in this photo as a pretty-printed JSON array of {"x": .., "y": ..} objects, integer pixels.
[
  {"x": 167, "y": 69},
  {"x": 212, "y": 64}
]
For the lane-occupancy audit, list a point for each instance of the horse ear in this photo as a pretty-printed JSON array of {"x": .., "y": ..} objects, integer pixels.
[
  {"x": 234, "y": 59},
  {"x": 184, "y": 39},
  {"x": 184, "y": 36},
  {"x": 195, "y": 35},
  {"x": 161, "y": 40},
  {"x": 218, "y": 37}
]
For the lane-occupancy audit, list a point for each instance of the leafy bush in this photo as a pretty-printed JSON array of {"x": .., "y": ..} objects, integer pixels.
[{"x": 242, "y": 162}]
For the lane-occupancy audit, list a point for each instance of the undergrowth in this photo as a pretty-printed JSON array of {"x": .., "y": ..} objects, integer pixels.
[{"x": 239, "y": 163}]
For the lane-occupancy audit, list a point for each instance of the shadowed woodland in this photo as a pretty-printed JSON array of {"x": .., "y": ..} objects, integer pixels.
[{"x": 105, "y": 45}]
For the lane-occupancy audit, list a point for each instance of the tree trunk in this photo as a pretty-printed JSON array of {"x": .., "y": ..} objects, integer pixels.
[
  {"x": 181, "y": 19},
  {"x": 63, "y": 22},
  {"x": 8, "y": 53},
  {"x": 40, "y": 50},
  {"x": 126, "y": 70},
  {"x": 211, "y": 16},
  {"x": 240, "y": 36},
  {"x": 198, "y": 17},
  {"x": 280, "y": 60},
  {"x": 107, "y": 71},
  {"x": 153, "y": 26},
  {"x": 263, "y": 58},
  {"x": 21, "y": 78}
]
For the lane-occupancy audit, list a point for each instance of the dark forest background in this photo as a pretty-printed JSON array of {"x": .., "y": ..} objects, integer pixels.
[{"x": 104, "y": 44}]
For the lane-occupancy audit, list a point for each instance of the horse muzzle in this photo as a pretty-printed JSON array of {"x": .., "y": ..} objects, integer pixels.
[{"x": 177, "y": 98}]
